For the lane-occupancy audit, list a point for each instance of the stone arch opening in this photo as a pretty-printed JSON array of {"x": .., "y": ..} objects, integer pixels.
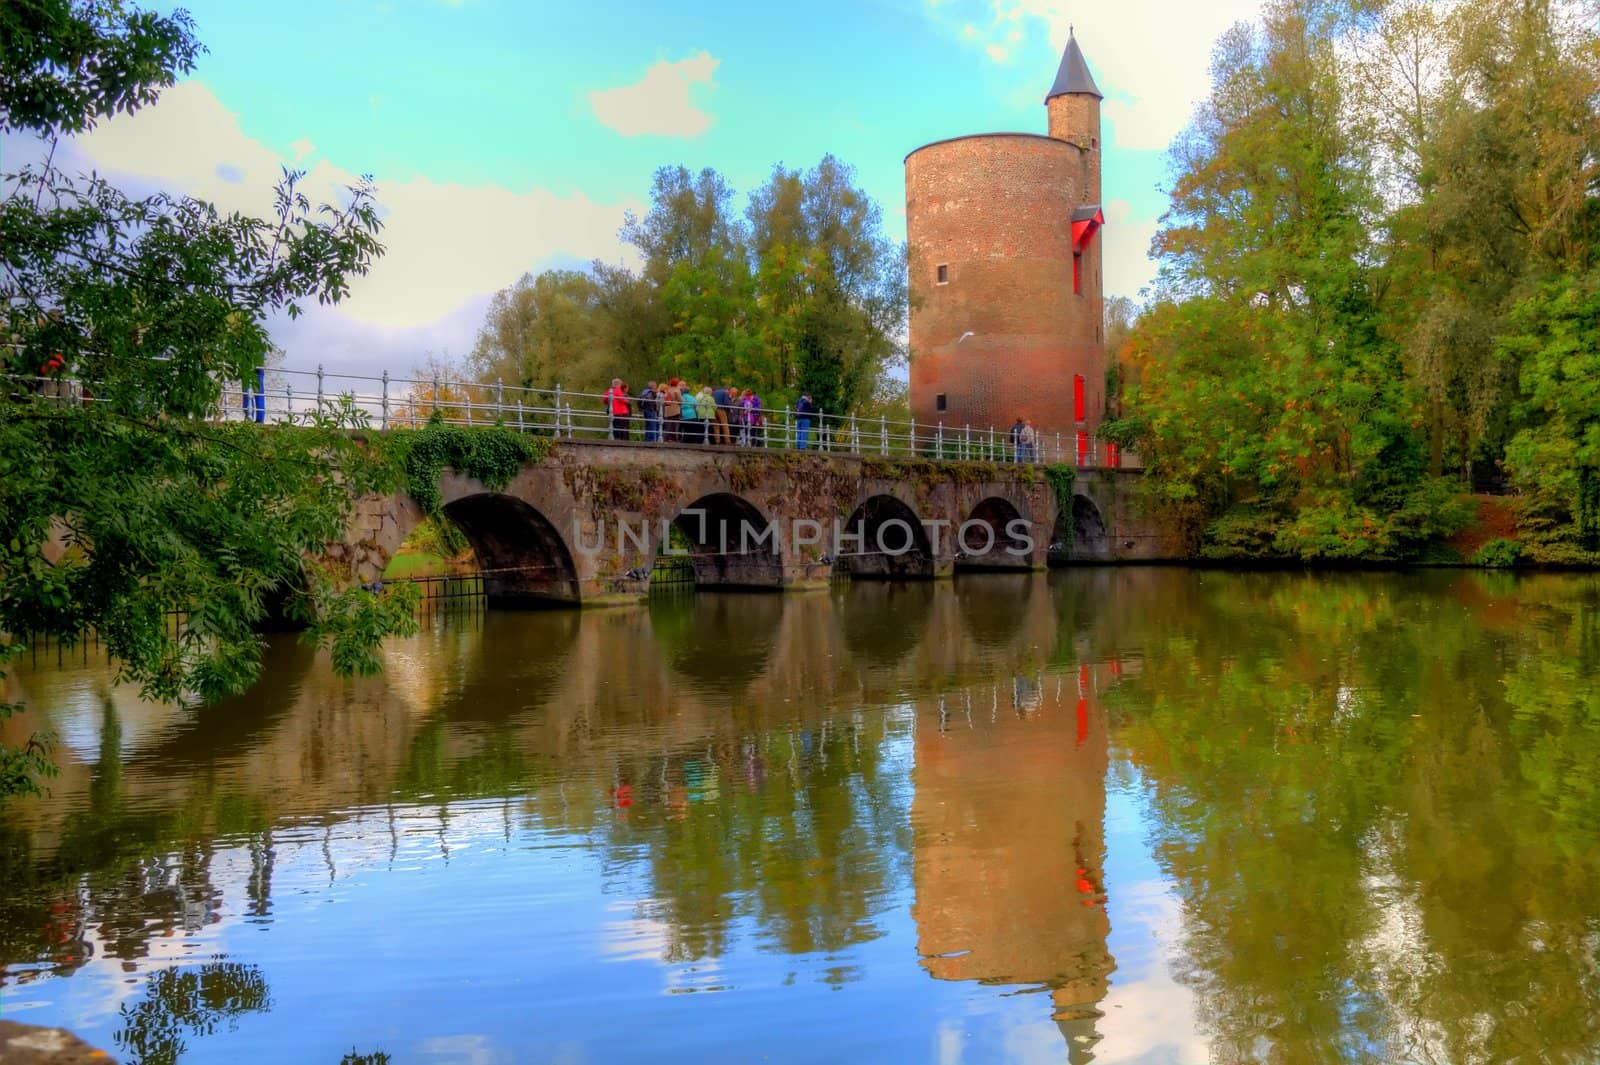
[
  {"x": 883, "y": 623},
  {"x": 520, "y": 554},
  {"x": 721, "y": 642},
  {"x": 988, "y": 539},
  {"x": 886, "y": 541},
  {"x": 1079, "y": 534},
  {"x": 729, "y": 543}
]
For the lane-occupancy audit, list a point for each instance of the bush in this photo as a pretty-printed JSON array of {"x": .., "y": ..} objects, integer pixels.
[
  {"x": 1433, "y": 510},
  {"x": 1242, "y": 534},
  {"x": 1334, "y": 529},
  {"x": 1498, "y": 554}
]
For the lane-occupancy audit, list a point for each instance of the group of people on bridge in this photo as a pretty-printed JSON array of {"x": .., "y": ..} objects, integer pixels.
[{"x": 677, "y": 412}]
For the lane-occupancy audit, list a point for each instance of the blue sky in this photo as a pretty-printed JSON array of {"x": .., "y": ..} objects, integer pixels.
[{"x": 509, "y": 136}]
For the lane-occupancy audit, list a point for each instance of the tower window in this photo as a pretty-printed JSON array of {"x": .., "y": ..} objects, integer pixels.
[
  {"x": 1077, "y": 273},
  {"x": 939, "y": 402},
  {"x": 1077, "y": 397},
  {"x": 1094, "y": 142},
  {"x": 943, "y": 274}
]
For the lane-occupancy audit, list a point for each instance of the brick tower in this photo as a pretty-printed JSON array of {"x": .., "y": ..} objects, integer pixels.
[{"x": 1006, "y": 302}]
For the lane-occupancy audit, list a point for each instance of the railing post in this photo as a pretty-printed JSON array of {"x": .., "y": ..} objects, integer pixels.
[
  {"x": 319, "y": 388},
  {"x": 499, "y": 400},
  {"x": 883, "y": 433},
  {"x": 911, "y": 444},
  {"x": 558, "y": 408},
  {"x": 990, "y": 456},
  {"x": 966, "y": 444},
  {"x": 938, "y": 441},
  {"x": 466, "y": 390},
  {"x": 435, "y": 394},
  {"x": 1058, "y": 445},
  {"x": 288, "y": 399},
  {"x": 519, "y": 415},
  {"x": 385, "y": 423},
  {"x": 855, "y": 436}
]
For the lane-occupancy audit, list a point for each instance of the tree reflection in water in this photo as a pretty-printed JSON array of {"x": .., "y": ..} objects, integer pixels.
[
  {"x": 1372, "y": 796},
  {"x": 1377, "y": 799},
  {"x": 193, "y": 1001}
]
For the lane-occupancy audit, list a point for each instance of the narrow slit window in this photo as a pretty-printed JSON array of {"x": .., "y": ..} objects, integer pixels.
[
  {"x": 1077, "y": 397},
  {"x": 1077, "y": 273},
  {"x": 943, "y": 274},
  {"x": 939, "y": 402}
]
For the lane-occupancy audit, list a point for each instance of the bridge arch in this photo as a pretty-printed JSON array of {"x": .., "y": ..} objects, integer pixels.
[
  {"x": 886, "y": 540},
  {"x": 1080, "y": 533},
  {"x": 731, "y": 542},
  {"x": 988, "y": 538},
  {"x": 523, "y": 557}
]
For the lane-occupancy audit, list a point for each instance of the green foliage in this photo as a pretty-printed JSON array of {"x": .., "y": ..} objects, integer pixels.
[
  {"x": 1126, "y": 432},
  {"x": 117, "y": 514},
  {"x": 804, "y": 294},
  {"x": 1555, "y": 460},
  {"x": 1061, "y": 477},
  {"x": 491, "y": 455},
  {"x": 22, "y": 767},
  {"x": 1498, "y": 554},
  {"x": 1333, "y": 331},
  {"x": 66, "y": 63},
  {"x": 1242, "y": 533}
]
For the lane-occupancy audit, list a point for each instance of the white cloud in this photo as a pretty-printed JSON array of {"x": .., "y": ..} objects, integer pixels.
[
  {"x": 659, "y": 103},
  {"x": 1152, "y": 76},
  {"x": 449, "y": 247},
  {"x": 996, "y": 52},
  {"x": 1124, "y": 253}
]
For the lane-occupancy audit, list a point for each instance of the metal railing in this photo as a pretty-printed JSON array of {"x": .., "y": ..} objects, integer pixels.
[{"x": 387, "y": 402}]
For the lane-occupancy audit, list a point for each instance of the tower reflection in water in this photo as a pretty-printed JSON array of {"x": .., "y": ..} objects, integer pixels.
[
  {"x": 745, "y": 769},
  {"x": 1009, "y": 843}
]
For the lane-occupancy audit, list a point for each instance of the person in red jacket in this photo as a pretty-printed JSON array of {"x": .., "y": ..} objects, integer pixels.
[{"x": 619, "y": 407}]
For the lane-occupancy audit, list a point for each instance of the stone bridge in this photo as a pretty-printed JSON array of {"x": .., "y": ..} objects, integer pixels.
[{"x": 586, "y": 524}]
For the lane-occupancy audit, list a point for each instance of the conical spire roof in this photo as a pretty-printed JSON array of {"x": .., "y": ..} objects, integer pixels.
[{"x": 1073, "y": 76}]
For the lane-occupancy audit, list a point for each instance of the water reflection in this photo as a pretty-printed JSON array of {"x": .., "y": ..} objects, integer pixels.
[
  {"x": 1009, "y": 846},
  {"x": 1343, "y": 818}
]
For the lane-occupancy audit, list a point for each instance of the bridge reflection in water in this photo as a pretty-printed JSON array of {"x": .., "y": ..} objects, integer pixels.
[
  {"x": 746, "y": 756},
  {"x": 1130, "y": 814}
]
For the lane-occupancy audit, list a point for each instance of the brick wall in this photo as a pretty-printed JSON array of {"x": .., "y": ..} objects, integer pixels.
[{"x": 995, "y": 210}]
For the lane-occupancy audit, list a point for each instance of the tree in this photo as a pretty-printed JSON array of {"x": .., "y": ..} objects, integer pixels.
[
  {"x": 154, "y": 304},
  {"x": 831, "y": 288},
  {"x": 1269, "y": 386},
  {"x": 1556, "y": 460},
  {"x": 542, "y": 330},
  {"x": 805, "y": 293},
  {"x": 688, "y": 219}
]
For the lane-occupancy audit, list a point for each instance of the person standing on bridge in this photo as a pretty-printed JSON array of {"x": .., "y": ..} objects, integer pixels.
[
  {"x": 706, "y": 406},
  {"x": 722, "y": 397},
  {"x": 689, "y": 416},
  {"x": 804, "y": 411},
  {"x": 619, "y": 408},
  {"x": 1016, "y": 439},
  {"x": 1027, "y": 441},
  {"x": 672, "y": 410},
  {"x": 650, "y": 406}
]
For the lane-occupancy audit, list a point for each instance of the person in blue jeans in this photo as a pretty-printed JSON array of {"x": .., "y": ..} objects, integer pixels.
[
  {"x": 650, "y": 403},
  {"x": 804, "y": 411}
]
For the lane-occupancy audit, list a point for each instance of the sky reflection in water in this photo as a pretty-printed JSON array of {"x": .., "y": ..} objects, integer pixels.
[{"x": 1142, "y": 815}]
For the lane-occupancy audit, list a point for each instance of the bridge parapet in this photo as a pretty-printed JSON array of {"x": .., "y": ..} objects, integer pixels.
[{"x": 587, "y": 524}]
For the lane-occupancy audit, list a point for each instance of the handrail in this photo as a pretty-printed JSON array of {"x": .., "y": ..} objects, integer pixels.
[{"x": 387, "y": 402}]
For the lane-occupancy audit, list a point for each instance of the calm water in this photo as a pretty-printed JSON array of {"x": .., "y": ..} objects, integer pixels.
[{"x": 1119, "y": 815}]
